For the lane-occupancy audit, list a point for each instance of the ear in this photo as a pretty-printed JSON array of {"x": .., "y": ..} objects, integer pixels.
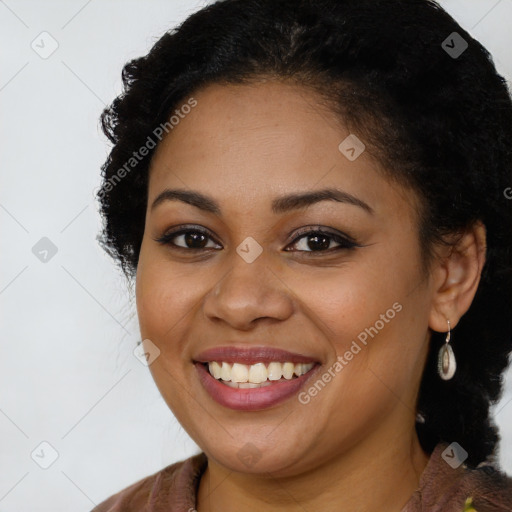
[{"x": 455, "y": 277}]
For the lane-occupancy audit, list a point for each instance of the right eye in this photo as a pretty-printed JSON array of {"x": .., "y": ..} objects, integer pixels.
[{"x": 189, "y": 239}]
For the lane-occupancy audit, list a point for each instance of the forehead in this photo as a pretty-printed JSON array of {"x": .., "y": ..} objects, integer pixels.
[
  {"x": 269, "y": 122},
  {"x": 261, "y": 140}
]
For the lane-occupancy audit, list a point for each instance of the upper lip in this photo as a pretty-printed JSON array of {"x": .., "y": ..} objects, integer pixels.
[{"x": 251, "y": 355}]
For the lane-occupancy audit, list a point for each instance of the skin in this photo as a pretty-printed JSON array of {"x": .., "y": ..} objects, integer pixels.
[{"x": 355, "y": 442}]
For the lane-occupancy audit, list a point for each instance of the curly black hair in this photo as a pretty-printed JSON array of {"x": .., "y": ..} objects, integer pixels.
[{"x": 432, "y": 109}]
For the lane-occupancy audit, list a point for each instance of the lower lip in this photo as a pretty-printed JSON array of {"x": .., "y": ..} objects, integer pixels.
[{"x": 251, "y": 399}]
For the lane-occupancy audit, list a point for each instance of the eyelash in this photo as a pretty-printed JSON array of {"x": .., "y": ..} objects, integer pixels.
[{"x": 346, "y": 243}]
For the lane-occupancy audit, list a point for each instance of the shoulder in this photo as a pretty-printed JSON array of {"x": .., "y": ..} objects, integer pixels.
[
  {"x": 449, "y": 485},
  {"x": 490, "y": 489},
  {"x": 175, "y": 483}
]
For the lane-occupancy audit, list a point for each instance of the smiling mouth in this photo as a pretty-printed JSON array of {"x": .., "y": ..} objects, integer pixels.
[{"x": 244, "y": 376}]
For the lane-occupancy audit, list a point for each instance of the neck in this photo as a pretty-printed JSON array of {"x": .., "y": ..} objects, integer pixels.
[{"x": 379, "y": 473}]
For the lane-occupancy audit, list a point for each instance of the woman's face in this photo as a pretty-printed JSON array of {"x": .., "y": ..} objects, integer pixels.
[{"x": 257, "y": 283}]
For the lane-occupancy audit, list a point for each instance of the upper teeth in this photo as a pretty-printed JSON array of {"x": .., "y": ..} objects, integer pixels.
[{"x": 257, "y": 373}]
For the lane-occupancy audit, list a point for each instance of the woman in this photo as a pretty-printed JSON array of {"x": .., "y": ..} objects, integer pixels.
[{"x": 312, "y": 199}]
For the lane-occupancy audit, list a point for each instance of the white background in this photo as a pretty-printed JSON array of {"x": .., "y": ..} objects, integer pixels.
[{"x": 68, "y": 375}]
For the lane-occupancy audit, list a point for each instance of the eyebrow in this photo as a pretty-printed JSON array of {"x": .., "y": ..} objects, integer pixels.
[{"x": 280, "y": 205}]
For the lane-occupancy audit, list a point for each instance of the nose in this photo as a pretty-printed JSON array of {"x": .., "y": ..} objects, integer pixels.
[{"x": 248, "y": 292}]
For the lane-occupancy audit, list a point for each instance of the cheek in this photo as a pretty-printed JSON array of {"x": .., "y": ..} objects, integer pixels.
[
  {"x": 351, "y": 300},
  {"x": 164, "y": 299},
  {"x": 374, "y": 324}
]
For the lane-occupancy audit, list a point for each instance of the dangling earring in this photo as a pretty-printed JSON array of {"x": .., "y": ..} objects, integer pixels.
[{"x": 446, "y": 364}]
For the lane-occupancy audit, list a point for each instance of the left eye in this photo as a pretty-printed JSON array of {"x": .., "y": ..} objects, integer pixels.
[{"x": 320, "y": 241}]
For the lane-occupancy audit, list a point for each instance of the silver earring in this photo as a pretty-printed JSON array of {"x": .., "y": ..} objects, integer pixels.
[
  {"x": 420, "y": 418},
  {"x": 446, "y": 364}
]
